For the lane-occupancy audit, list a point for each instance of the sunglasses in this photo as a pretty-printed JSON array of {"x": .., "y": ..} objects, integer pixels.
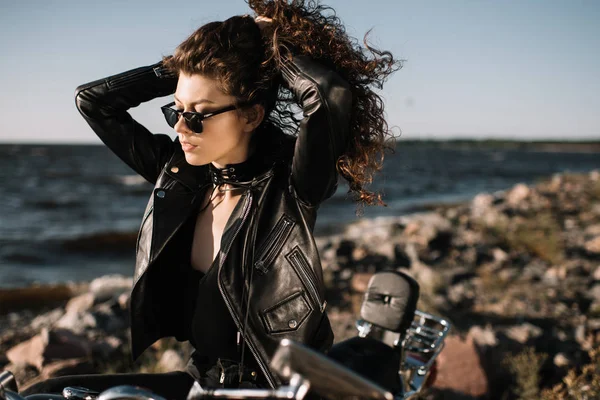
[{"x": 193, "y": 120}]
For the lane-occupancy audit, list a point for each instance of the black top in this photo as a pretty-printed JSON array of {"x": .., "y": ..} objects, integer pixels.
[
  {"x": 208, "y": 322},
  {"x": 212, "y": 331}
]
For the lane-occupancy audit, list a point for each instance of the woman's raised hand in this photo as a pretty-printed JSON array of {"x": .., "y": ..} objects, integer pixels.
[{"x": 263, "y": 22}]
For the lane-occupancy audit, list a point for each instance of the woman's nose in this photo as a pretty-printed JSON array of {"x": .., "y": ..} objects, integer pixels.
[{"x": 181, "y": 127}]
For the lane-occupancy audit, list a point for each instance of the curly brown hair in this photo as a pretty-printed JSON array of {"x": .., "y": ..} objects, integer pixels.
[{"x": 245, "y": 60}]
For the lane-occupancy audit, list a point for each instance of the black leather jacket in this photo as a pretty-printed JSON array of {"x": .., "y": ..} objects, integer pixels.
[{"x": 271, "y": 229}]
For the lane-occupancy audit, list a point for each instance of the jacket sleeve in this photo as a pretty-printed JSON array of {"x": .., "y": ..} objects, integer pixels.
[
  {"x": 104, "y": 104},
  {"x": 326, "y": 102}
]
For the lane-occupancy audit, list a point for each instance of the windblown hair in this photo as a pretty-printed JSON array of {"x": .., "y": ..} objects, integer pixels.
[{"x": 244, "y": 61}]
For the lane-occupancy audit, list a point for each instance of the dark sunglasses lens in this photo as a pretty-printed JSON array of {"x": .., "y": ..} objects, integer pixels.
[
  {"x": 194, "y": 123},
  {"x": 171, "y": 116}
]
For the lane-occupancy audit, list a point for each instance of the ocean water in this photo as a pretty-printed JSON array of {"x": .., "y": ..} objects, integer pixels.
[{"x": 71, "y": 212}]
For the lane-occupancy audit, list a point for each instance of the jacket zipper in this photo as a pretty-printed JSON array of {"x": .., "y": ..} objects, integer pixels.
[
  {"x": 306, "y": 275},
  {"x": 127, "y": 79},
  {"x": 227, "y": 301},
  {"x": 273, "y": 244}
]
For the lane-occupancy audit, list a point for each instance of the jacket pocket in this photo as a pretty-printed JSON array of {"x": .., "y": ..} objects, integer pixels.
[
  {"x": 287, "y": 315},
  {"x": 306, "y": 275},
  {"x": 273, "y": 244}
]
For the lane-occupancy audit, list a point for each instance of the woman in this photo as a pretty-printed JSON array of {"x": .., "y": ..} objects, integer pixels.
[{"x": 226, "y": 257}]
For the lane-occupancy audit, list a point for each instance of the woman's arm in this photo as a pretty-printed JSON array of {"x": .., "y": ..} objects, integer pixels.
[
  {"x": 326, "y": 102},
  {"x": 104, "y": 104}
]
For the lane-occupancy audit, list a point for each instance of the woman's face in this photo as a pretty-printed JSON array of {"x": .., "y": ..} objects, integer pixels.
[{"x": 225, "y": 137}]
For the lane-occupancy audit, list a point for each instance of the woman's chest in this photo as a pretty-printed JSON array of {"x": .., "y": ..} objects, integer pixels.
[{"x": 210, "y": 224}]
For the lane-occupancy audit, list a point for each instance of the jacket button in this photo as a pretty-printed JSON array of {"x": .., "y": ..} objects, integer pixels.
[
  {"x": 292, "y": 323},
  {"x": 160, "y": 194},
  {"x": 175, "y": 170}
]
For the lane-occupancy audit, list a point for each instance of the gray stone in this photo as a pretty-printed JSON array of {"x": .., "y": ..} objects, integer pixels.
[
  {"x": 596, "y": 274},
  {"x": 483, "y": 337},
  {"x": 593, "y": 230},
  {"x": 500, "y": 256},
  {"x": 80, "y": 304},
  {"x": 593, "y": 246},
  {"x": 517, "y": 194},
  {"x": 77, "y": 322},
  {"x": 171, "y": 361},
  {"x": 47, "y": 320},
  {"x": 107, "y": 346},
  {"x": 110, "y": 286},
  {"x": 594, "y": 292},
  {"x": 561, "y": 360},
  {"x": 522, "y": 333},
  {"x": 481, "y": 204}
]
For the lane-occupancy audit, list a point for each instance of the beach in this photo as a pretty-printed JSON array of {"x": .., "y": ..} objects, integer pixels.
[{"x": 517, "y": 272}]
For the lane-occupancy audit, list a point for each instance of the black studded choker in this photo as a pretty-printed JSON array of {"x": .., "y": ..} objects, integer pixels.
[{"x": 235, "y": 173}]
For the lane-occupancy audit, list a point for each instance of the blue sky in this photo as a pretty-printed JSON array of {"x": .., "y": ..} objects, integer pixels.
[{"x": 477, "y": 69}]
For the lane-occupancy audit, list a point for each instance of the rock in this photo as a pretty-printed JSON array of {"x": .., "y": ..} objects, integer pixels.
[
  {"x": 123, "y": 301},
  {"x": 517, "y": 194},
  {"x": 483, "y": 337},
  {"x": 594, "y": 293},
  {"x": 554, "y": 275},
  {"x": 80, "y": 304},
  {"x": 48, "y": 346},
  {"x": 46, "y": 320},
  {"x": 360, "y": 281},
  {"x": 580, "y": 335},
  {"x": 561, "y": 360},
  {"x": 593, "y": 246},
  {"x": 22, "y": 372},
  {"x": 593, "y": 230},
  {"x": 106, "y": 319},
  {"x": 508, "y": 274},
  {"x": 522, "y": 333},
  {"x": 481, "y": 204},
  {"x": 29, "y": 352},
  {"x": 346, "y": 274},
  {"x": 358, "y": 253},
  {"x": 411, "y": 229},
  {"x": 500, "y": 256},
  {"x": 63, "y": 344},
  {"x": 73, "y": 366},
  {"x": 460, "y": 369},
  {"x": 109, "y": 286},
  {"x": 387, "y": 249},
  {"x": 570, "y": 224},
  {"x": 77, "y": 322},
  {"x": 171, "y": 361},
  {"x": 534, "y": 270},
  {"x": 593, "y": 324}
]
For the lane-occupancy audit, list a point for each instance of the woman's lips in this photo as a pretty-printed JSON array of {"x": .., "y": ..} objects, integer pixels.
[{"x": 187, "y": 147}]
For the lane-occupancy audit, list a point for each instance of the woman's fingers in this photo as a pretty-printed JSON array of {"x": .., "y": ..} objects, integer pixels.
[{"x": 262, "y": 21}]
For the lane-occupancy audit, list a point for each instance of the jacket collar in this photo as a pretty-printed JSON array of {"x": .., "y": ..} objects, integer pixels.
[
  {"x": 191, "y": 176},
  {"x": 194, "y": 177}
]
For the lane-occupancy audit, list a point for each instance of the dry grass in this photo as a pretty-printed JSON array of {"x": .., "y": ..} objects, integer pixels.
[
  {"x": 525, "y": 367},
  {"x": 580, "y": 384}
]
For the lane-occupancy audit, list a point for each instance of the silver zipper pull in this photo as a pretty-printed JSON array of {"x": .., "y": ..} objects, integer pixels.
[{"x": 222, "y": 378}]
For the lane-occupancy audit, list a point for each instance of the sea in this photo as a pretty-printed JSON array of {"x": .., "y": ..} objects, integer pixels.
[{"x": 72, "y": 212}]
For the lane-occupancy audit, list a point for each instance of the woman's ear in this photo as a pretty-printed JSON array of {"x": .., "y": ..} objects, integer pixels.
[{"x": 254, "y": 116}]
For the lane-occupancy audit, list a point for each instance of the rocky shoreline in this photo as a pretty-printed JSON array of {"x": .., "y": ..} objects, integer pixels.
[{"x": 516, "y": 272}]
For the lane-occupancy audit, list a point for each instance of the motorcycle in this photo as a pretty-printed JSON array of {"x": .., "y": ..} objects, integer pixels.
[{"x": 393, "y": 357}]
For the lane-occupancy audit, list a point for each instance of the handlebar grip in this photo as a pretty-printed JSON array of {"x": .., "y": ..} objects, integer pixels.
[{"x": 8, "y": 382}]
